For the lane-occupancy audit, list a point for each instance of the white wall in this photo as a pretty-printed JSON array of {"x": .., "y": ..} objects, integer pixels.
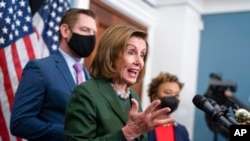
[
  {"x": 176, "y": 50},
  {"x": 80, "y": 3}
]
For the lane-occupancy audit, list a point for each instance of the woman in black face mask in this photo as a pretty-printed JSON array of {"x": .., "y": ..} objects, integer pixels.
[{"x": 167, "y": 87}]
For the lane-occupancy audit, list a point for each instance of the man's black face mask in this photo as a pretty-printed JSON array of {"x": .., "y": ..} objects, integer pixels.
[{"x": 82, "y": 45}]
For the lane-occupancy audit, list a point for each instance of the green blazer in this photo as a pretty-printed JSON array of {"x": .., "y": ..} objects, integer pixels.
[{"x": 94, "y": 113}]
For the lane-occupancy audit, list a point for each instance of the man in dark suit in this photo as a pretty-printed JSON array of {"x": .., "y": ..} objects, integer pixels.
[{"x": 39, "y": 107}]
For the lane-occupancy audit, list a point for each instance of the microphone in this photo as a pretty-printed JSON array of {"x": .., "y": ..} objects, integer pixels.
[
  {"x": 214, "y": 113},
  {"x": 224, "y": 110}
]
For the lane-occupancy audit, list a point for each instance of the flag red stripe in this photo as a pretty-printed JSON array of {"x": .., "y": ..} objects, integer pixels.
[
  {"x": 29, "y": 47},
  {"x": 37, "y": 33},
  {"x": 16, "y": 61},
  {"x": 3, "y": 130},
  {"x": 6, "y": 79}
]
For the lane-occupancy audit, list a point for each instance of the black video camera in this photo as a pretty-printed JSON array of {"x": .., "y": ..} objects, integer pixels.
[{"x": 216, "y": 81}]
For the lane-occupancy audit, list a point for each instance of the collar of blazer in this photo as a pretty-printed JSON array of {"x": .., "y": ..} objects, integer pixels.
[
  {"x": 63, "y": 69},
  {"x": 110, "y": 95}
]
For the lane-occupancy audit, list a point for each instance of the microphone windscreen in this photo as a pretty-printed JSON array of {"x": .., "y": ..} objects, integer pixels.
[{"x": 198, "y": 101}]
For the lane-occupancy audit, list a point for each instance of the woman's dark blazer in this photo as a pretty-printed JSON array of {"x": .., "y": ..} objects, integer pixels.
[{"x": 95, "y": 113}]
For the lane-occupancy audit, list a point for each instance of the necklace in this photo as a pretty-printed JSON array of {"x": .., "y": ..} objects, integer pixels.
[{"x": 121, "y": 95}]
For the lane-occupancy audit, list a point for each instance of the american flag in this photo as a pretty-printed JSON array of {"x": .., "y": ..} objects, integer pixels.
[
  {"x": 22, "y": 38},
  {"x": 47, "y": 19}
]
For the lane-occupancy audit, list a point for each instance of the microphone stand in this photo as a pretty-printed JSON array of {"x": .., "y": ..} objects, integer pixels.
[{"x": 224, "y": 110}]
